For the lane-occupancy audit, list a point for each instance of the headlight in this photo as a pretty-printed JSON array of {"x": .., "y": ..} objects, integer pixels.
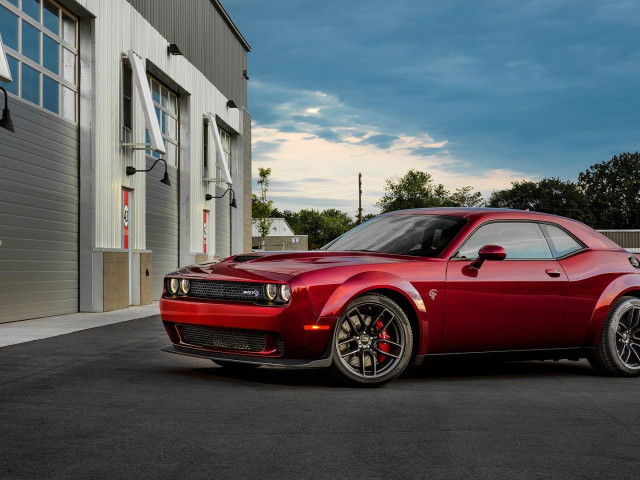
[
  {"x": 184, "y": 286},
  {"x": 271, "y": 291},
  {"x": 285, "y": 293},
  {"x": 173, "y": 286}
]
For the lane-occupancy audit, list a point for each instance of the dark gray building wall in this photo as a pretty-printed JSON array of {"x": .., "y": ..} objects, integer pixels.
[
  {"x": 206, "y": 37},
  {"x": 38, "y": 215}
]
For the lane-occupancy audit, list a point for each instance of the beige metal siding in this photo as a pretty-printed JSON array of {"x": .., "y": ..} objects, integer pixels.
[{"x": 624, "y": 238}]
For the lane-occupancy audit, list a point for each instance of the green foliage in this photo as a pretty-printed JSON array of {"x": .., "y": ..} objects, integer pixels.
[
  {"x": 549, "y": 195},
  {"x": 261, "y": 206},
  {"x": 321, "y": 227},
  {"x": 613, "y": 191},
  {"x": 417, "y": 190}
]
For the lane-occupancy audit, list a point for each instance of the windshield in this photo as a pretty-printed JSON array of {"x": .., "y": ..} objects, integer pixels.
[{"x": 418, "y": 235}]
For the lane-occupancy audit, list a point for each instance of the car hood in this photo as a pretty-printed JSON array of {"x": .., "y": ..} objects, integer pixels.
[{"x": 282, "y": 266}]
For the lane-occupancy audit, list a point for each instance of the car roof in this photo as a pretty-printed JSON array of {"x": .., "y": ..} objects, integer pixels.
[{"x": 478, "y": 215}]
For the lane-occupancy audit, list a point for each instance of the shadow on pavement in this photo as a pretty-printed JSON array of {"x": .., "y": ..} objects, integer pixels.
[{"x": 441, "y": 370}]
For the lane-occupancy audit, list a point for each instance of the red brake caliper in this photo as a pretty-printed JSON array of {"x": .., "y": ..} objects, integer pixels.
[{"x": 383, "y": 336}]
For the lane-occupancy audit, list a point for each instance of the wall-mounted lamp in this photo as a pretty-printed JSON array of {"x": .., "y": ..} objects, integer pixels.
[
  {"x": 233, "y": 197},
  {"x": 244, "y": 74},
  {"x": 173, "y": 49},
  {"x": 5, "y": 121},
  {"x": 165, "y": 179},
  {"x": 231, "y": 104}
]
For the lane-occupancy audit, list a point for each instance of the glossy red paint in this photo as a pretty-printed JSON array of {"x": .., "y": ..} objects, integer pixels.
[{"x": 503, "y": 305}]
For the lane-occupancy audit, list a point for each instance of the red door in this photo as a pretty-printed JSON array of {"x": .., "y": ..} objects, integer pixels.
[{"x": 512, "y": 304}]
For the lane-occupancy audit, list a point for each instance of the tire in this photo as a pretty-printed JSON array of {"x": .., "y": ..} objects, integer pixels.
[
  {"x": 618, "y": 350},
  {"x": 237, "y": 366},
  {"x": 372, "y": 342}
]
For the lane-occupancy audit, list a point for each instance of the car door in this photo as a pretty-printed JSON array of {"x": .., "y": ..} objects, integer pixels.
[{"x": 512, "y": 304}]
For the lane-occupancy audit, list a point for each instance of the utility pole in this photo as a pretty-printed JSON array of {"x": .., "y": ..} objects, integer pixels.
[{"x": 359, "y": 198}]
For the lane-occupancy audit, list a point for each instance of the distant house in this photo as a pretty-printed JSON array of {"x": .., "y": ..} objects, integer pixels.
[{"x": 281, "y": 238}]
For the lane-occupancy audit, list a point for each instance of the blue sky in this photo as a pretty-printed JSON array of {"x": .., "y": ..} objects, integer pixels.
[{"x": 477, "y": 93}]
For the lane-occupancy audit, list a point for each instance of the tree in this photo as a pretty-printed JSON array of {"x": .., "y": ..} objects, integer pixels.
[
  {"x": 261, "y": 206},
  {"x": 321, "y": 227},
  {"x": 613, "y": 191},
  {"x": 416, "y": 190},
  {"x": 549, "y": 195}
]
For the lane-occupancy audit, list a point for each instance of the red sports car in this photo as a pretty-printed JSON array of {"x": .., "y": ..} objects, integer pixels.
[{"x": 413, "y": 284}]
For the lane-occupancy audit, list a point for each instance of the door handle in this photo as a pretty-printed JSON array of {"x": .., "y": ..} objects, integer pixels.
[{"x": 552, "y": 272}]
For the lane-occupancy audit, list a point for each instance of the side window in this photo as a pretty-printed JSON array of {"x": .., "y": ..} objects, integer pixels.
[
  {"x": 521, "y": 240},
  {"x": 561, "y": 242}
]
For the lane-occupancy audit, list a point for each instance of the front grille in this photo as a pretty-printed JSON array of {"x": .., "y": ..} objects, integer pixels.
[
  {"x": 228, "y": 290},
  {"x": 223, "y": 338}
]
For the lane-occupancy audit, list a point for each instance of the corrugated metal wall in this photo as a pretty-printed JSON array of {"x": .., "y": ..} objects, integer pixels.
[
  {"x": 624, "y": 238},
  {"x": 38, "y": 215},
  {"x": 204, "y": 38}
]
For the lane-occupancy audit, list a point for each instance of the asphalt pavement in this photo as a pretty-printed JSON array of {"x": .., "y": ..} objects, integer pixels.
[{"x": 107, "y": 403}]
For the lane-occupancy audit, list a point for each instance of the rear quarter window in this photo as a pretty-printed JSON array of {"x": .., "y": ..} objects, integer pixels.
[{"x": 561, "y": 242}]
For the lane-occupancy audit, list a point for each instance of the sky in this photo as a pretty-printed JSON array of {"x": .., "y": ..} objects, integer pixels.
[{"x": 478, "y": 93}]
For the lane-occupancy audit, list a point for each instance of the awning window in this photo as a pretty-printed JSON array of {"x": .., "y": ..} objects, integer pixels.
[
  {"x": 219, "y": 148},
  {"x": 5, "y": 73},
  {"x": 144, "y": 94}
]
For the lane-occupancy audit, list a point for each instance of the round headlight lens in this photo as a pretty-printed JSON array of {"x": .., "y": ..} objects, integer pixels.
[
  {"x": 271, "y": 291},
  {"x": 173, "y": 286},
  {"x": 184, "y": 286},
  {"x": 285, "y": 293}
]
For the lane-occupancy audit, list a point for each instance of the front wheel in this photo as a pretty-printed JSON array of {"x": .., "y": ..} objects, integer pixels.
[
  {"x": 618, "y": 351},
  {"x": 372, "y": 342}
]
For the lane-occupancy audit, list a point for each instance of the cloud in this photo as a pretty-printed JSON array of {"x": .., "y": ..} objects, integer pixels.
[{"x": 315, "y": 172}]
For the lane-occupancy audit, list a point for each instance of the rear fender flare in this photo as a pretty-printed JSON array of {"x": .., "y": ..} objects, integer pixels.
[{"x": 616, "y": 289}]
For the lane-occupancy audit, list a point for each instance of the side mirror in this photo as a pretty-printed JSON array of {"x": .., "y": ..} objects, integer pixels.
[{"x": 488, "y": 252}]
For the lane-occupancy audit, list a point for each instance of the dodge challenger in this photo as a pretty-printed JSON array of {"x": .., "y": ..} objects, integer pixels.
[{"x": 414, "y": 284}]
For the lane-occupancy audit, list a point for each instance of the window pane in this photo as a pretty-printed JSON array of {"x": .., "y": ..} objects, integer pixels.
[
  {"x": 50, "y": 14},
  {"x": 13, "y": 66},
  {"x": 15, "y": 2},
  {"x": 520, "y": 240},
  {"x": 9, "y": 28},
  {"x": 171, "y": 156},
  {"x": 68, "y": 66},
  {"x": 68, "y": 104},
  {"x": 69, "y": 29},
  {"x": 50, "y": 94},
  {"x": 561, "y": 242},
  {"x": 172, "y": 127},
  {"x": 30, "y": 42},
  {"x": 50, "y": 54},
  {"x": 30, "y": 84},
  {"x": 155, "y": 91},
  {"x": 32, "y": 8},
  {"x": 164, "y": 95}
]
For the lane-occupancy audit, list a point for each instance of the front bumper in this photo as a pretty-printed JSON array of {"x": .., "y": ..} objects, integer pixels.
[
  {"x": 281, "y": 325},
  {"x": 269, "y": 362}
]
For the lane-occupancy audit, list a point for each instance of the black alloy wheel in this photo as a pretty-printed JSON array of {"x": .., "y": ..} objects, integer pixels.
[
  {"x": 373, "y": 342},
  {"x": 618, "y": 351}
]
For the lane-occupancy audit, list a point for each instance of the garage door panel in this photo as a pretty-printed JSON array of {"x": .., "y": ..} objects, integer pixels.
[
  {"x": 162, "y": 224},
  {"x": 38, "y": 216}
]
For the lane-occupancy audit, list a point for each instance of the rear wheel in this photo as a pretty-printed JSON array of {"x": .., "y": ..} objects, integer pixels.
[
  {"x": 372, "y": 342},
  {"x": 618, "y": 351}
]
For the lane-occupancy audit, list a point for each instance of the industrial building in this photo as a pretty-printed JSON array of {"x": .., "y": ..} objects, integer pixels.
[{"x": 130, "y": 153}]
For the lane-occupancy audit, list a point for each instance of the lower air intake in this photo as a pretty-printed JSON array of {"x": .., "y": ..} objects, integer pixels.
[{"x": 222, "y": 338}]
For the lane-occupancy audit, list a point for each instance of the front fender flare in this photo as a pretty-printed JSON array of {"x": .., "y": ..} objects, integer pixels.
[
  {"x": 616, "y": 289},
  {"x": 362, "y": 283}
]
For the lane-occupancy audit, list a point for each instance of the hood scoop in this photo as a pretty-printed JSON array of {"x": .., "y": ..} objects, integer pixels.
[{"x": 245, "y": 258}]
